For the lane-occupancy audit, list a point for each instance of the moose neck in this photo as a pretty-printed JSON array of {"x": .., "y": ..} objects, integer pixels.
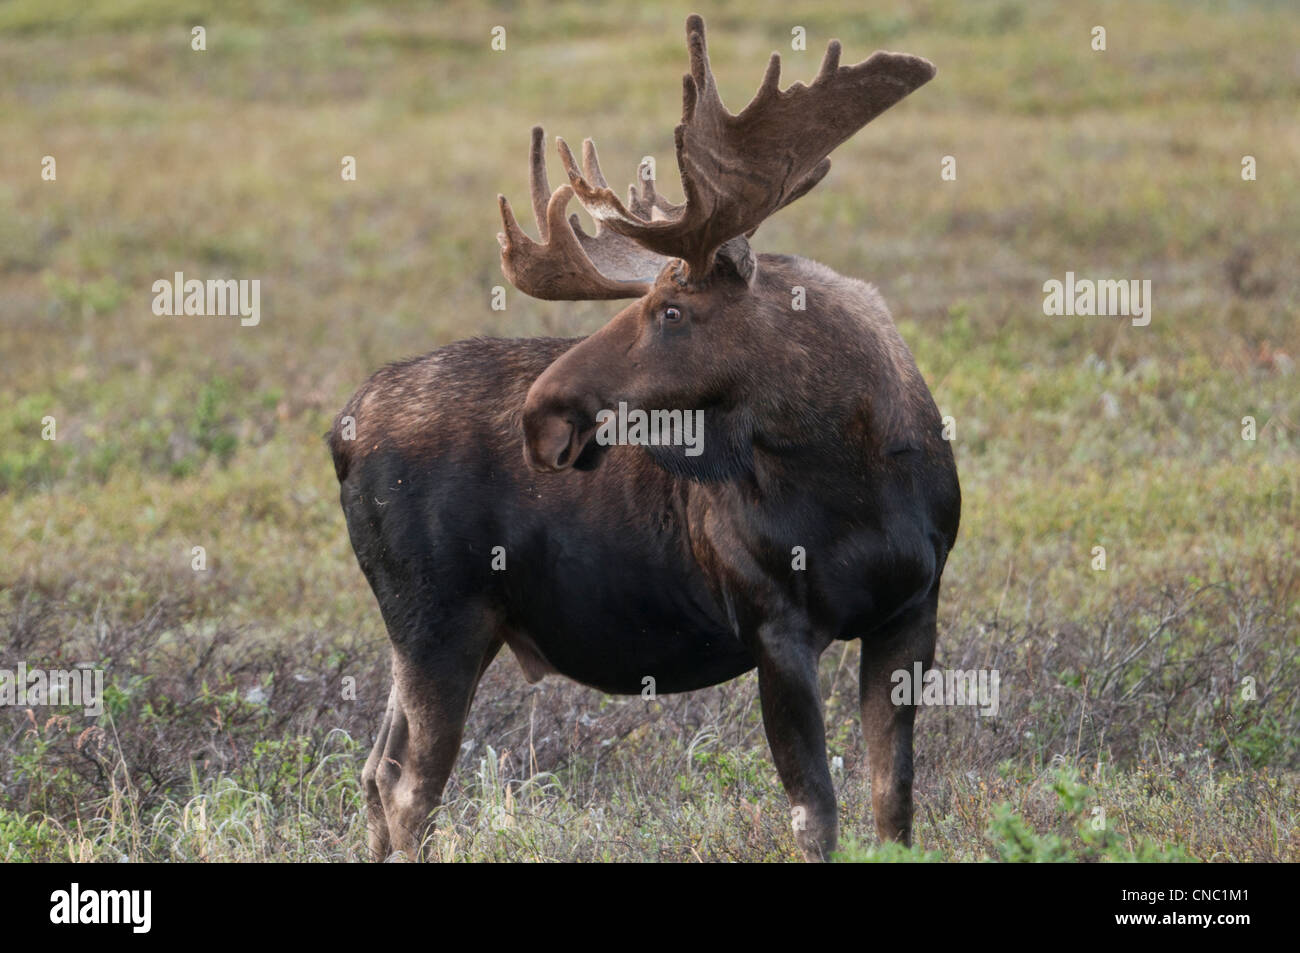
[{"x": 838, "y": 392}]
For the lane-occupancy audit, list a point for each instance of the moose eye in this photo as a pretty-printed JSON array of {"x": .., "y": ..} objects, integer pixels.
[{"x": 672, "y": 316}]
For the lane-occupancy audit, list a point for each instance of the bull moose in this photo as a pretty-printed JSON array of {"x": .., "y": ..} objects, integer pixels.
[{"x": 821, "y": 505}]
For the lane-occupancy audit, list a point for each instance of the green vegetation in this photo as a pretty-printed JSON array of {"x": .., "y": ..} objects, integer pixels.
[{"x": 228, "y": 734}]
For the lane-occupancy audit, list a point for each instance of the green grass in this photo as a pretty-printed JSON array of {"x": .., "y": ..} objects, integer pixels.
[{"x": 175, "y": 432}]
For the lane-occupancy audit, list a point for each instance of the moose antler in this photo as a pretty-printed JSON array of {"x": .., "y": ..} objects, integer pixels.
[
  {"x": 568, "y": 264},
  {"x": 736, "y": 170}
]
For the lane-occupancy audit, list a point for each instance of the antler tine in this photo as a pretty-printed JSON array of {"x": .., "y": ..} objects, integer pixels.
[
  {"x": 830, "y": 62},
  {"x": 700, "y": 78},
  {"x": 591, "y": 165},
  {"x": 645, "y": 174},
  {"x": 771, "y": 84},
  {"x": 639, "y": 207},
  {"x": 571, "y": 167},
  {"x": 513, "y": 237},
  {"x": 649, "y": 203},
  {"x": 538, "y": 186}
]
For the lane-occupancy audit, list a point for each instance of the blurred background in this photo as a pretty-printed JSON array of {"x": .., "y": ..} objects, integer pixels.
[{"x": 1121, "y": 688}]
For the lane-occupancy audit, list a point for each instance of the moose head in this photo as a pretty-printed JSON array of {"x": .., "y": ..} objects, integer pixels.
[{"x": 707, "y": 305}]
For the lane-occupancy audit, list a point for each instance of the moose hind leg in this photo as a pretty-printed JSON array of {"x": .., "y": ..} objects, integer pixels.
[
  {"x": 432, "y": 692},
  {"x": 888, "y": 727},
  {"x": 380, "y": 844}
]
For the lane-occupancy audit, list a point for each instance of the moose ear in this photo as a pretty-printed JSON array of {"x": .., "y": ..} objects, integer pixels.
[{"x": 736, "y": 255}]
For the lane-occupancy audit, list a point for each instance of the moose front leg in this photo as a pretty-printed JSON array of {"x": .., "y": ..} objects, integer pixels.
[
  {"x": 886, "y": 726},
  {"x": 796, "y": 733}
]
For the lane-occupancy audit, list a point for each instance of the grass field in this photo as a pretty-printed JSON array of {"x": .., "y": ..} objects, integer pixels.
[{"x": 227, "y": 735}]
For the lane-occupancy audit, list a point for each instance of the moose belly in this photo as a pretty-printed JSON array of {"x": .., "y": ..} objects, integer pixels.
[
  {"x": 612, "y": 620},
  {"x": 658, "y": 662}
]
